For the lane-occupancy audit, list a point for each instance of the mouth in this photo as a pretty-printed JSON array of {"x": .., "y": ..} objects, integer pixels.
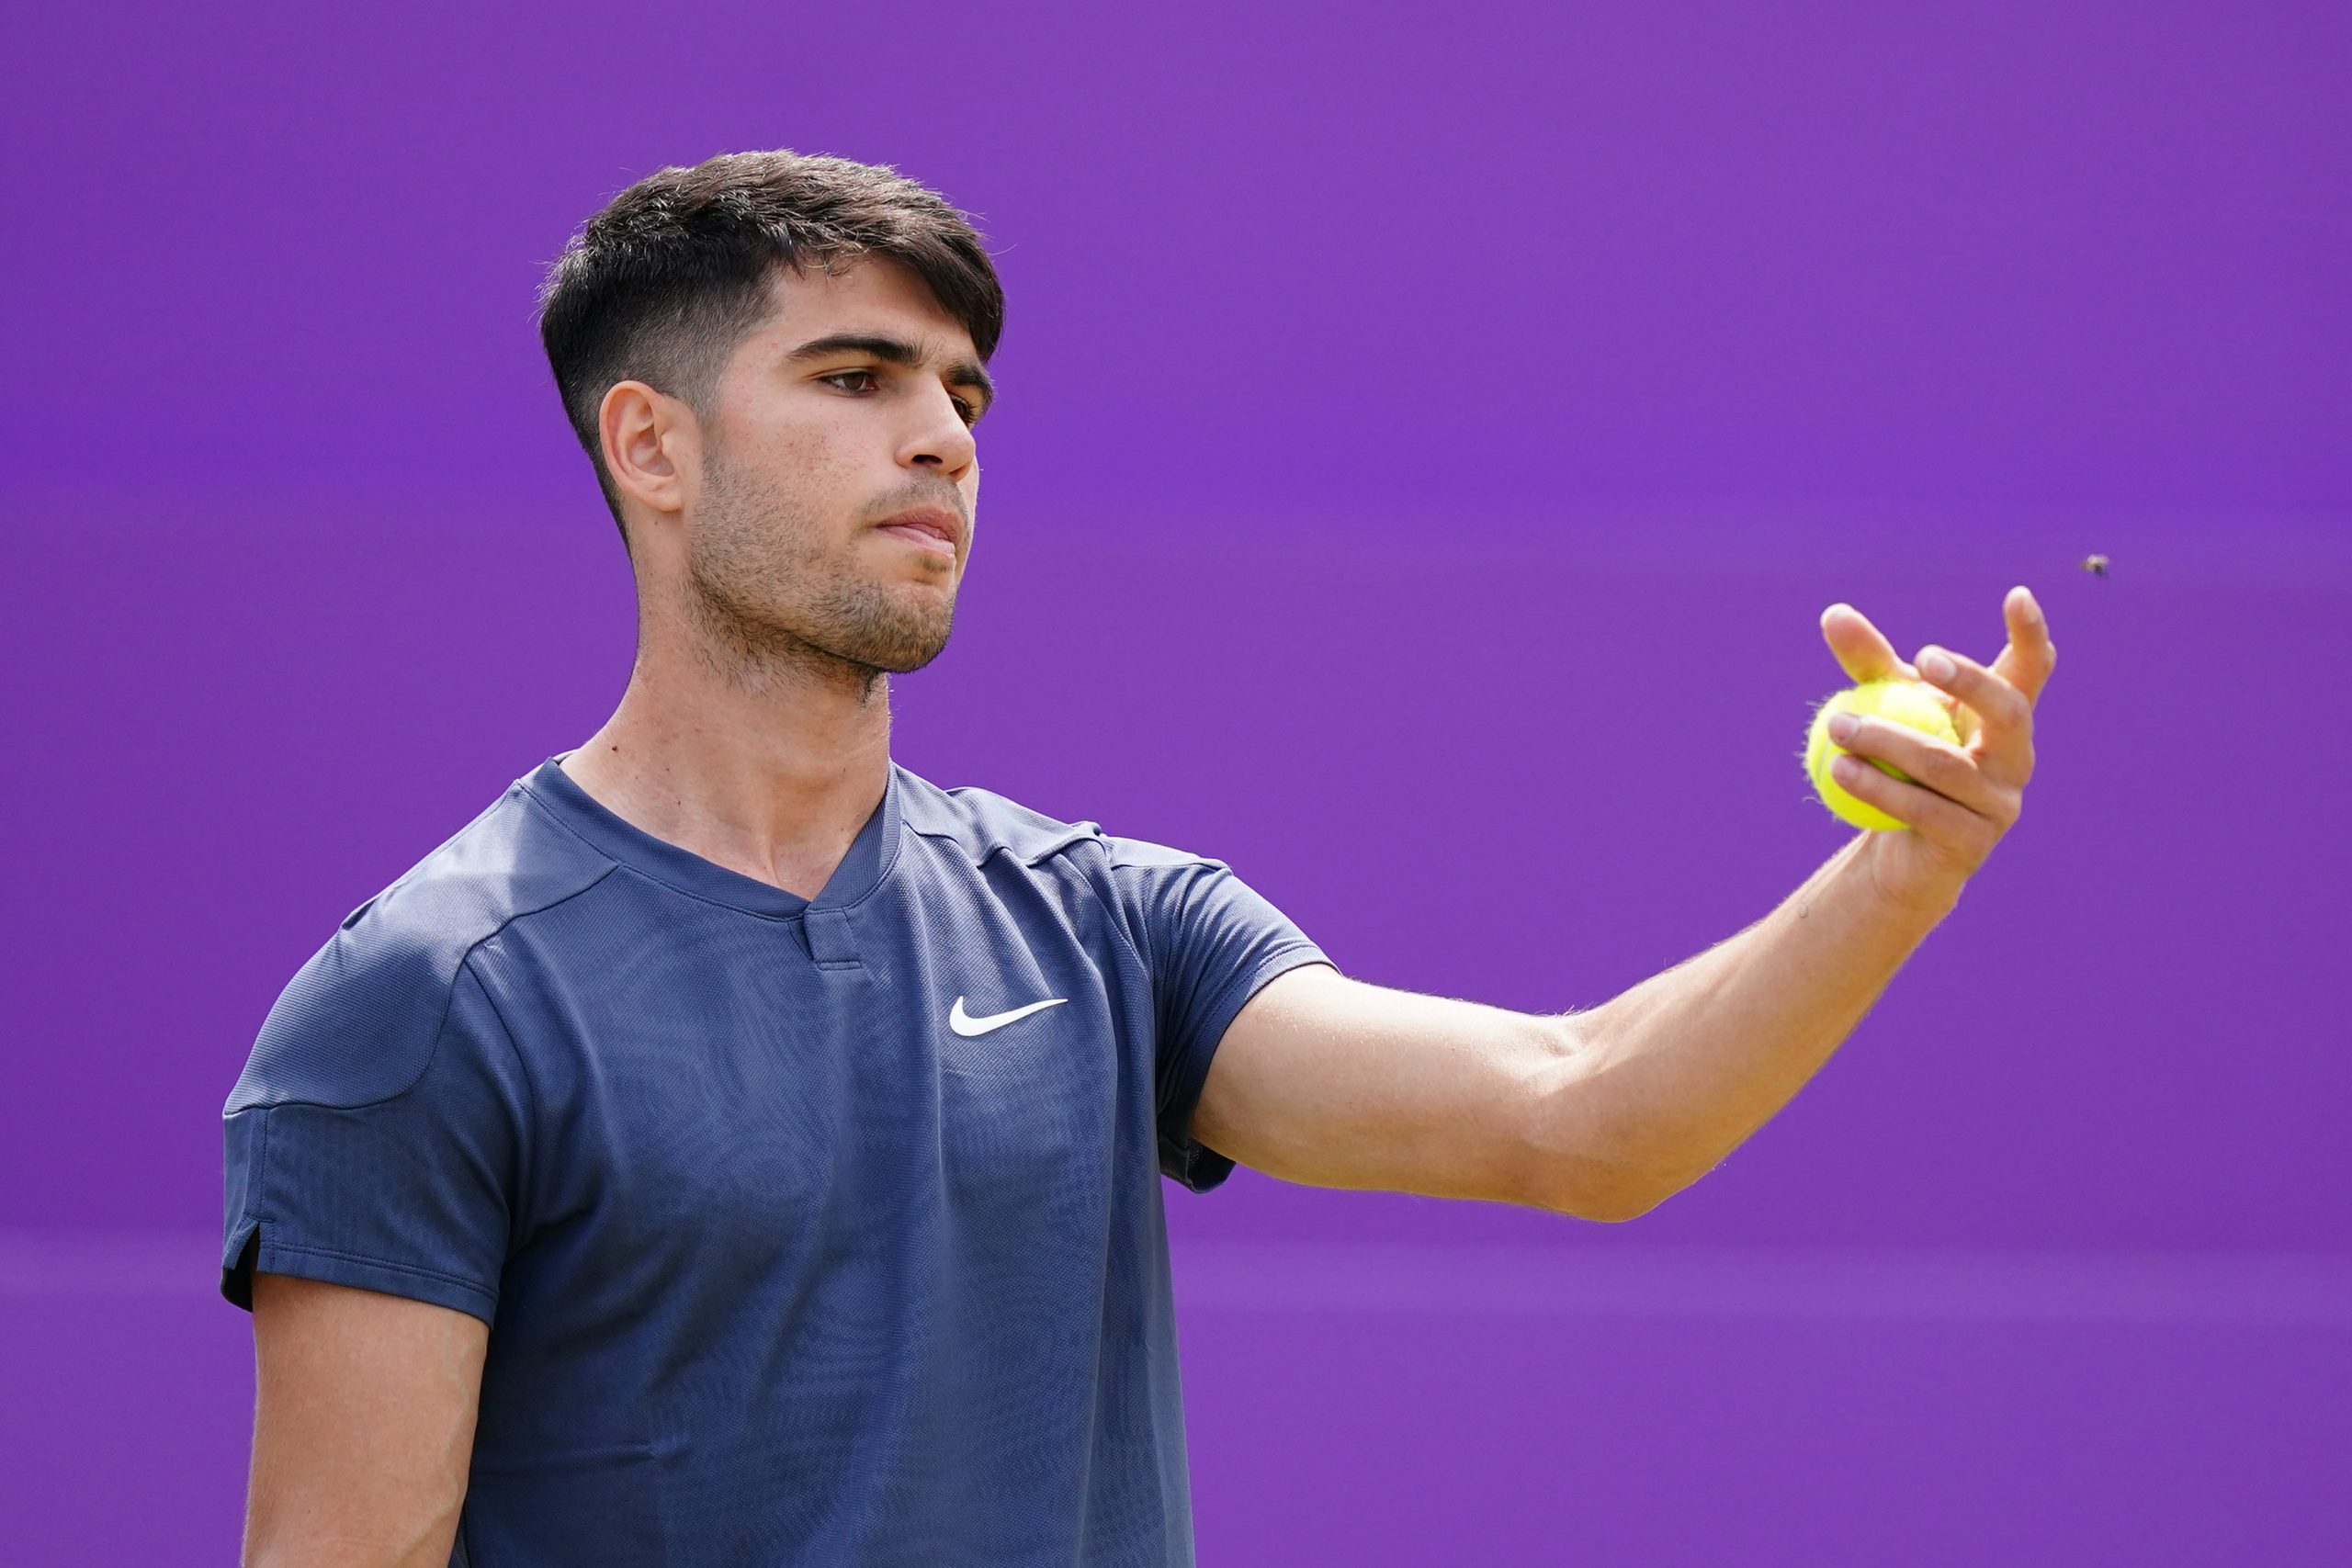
[{"x": 927, "y": 528}]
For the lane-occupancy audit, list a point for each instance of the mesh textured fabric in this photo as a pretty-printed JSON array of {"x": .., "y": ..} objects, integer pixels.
[{"x": 780, "y": 1268}]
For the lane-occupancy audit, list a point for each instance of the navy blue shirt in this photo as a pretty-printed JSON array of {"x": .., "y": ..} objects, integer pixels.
[{"x": 808, "y": 1231}]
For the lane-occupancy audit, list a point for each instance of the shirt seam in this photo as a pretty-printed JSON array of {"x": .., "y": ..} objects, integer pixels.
[
  {"x": 261, "y": 1204},
  {"x": 1059, "y": 846},
  {"x": 1119, "y": 925},
  {"x": 889, "y": 863},
  {"x": 299, "y": 1250},
  {"x": 448, "y": 1002},
  {"x": 612, "y": 863},
  {"x": 522, "y": 1067}
]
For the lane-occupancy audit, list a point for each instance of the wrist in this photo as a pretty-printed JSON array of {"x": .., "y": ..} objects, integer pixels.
[{"x": 1908, "y": 900}]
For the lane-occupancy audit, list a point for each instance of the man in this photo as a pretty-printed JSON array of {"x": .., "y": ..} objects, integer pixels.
[{"x": 732, "y": 1148}]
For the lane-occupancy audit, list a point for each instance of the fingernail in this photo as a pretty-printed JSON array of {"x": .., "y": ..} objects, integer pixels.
[
  {"x": 1842, "y": 726},
  {"x": 1935, "y": 665}
]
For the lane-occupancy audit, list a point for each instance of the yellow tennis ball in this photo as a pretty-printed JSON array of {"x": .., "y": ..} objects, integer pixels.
[{"x": 1906, "y": 701}]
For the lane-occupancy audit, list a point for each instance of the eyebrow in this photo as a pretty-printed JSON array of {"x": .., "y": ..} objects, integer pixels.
[{"x": 896, "y": 351}]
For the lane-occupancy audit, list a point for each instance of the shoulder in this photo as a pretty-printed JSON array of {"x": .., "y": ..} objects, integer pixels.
[
  {"x": 981, "y": 823},
  {"x": 358, "y": 1022}
]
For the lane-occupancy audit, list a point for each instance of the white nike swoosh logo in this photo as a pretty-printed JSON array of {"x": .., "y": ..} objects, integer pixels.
[{"x": 965, "y": 1024}]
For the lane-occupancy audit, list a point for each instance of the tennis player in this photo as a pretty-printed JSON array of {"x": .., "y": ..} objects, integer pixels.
[{"x": 733, "y": 1149}]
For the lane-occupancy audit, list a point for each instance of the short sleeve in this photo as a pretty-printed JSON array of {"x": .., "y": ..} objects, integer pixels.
[
  {"x": 376, "y": 1136},
  {"x": 1211, "y": 941}
]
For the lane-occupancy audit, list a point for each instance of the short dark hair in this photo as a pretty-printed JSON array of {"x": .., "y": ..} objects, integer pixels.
[{"x": 662, "y": 284}]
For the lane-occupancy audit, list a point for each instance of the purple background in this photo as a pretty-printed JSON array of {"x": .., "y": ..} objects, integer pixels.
[{"x": 1429, "y": 437}]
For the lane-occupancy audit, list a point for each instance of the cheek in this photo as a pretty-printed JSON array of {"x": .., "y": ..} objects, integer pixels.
[
  {"x": 803, "y": 447},
  {"x": 786, "y": 435},
  {"x": 794, "y": 476}
]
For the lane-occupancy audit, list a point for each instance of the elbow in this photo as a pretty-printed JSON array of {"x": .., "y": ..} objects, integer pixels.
[
  {"x": 1575, "y": 1161},
  {"x": 1567, "y": 1178},
  {"x": 1612, "y": 1206},
  {"x": 1634, "y": 1198}
]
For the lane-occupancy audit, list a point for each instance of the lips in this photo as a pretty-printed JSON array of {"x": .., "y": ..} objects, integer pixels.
[
  {"x": 923, "y": 540},
  {"x": 944, "y": 527}
]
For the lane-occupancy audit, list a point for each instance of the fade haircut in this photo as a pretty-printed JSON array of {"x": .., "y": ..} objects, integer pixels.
[{"x": 662, "y": 284}]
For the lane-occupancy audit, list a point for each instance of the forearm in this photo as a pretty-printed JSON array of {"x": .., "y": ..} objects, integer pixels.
[{"x": 1679, "y": 1071}]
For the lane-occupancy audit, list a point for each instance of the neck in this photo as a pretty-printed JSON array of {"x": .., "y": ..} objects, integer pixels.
[{"x": 766, "y": 762}]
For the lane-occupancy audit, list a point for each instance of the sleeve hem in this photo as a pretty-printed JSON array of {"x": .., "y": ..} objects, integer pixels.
[
  {"x": 1185, "y": 1159},
  {"x": 370, "y": 1274}
]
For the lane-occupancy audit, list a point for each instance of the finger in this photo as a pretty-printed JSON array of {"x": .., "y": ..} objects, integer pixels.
[
  {"x": 1955, "y": 829},
  {"x": 2003, "y": 729},
  {"x": 2029, "y": 657},
  {"x": 1860, "y": 648},
  {"x": 1930, "y": 761}
]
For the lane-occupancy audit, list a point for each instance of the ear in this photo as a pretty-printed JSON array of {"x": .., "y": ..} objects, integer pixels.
[{"x": 652, "y": 446}]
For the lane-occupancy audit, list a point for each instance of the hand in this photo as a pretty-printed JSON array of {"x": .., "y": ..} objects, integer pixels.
[{"x": 1965, "y": 797}]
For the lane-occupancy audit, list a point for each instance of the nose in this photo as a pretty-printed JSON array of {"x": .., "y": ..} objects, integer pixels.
[{"x": 940, "y": 441}]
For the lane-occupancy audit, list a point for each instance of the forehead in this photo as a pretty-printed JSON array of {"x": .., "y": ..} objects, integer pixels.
[{"x": 871, "y": 294}]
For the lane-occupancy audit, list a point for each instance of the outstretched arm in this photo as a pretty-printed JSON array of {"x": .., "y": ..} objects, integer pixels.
[
  {"x": 1696, "y": 1059},
  {"x": 1603, "y": 1115}
]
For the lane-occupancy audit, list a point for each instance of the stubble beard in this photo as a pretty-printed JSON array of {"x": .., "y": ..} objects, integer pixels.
[{"x": 768, "y": 602}]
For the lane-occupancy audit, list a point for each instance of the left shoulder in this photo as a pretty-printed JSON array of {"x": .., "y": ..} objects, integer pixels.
[{"x": 982, "y": 823}]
